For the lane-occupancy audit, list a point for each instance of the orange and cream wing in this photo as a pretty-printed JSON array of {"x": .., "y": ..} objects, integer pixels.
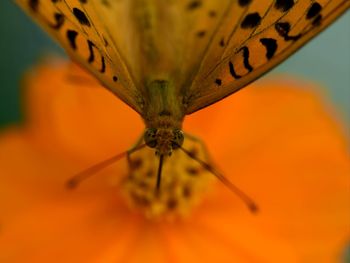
[
  {"x": 253, "y": 37},
  {"x": 82, "y": 30}
]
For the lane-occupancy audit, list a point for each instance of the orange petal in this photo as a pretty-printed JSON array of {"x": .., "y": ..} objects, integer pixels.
[
  {"x": 42, "y": 221},
  {"x": 69, "y": 111},
  {"x": 278, "y": 143},
  {"x": 281, "y": 145}
]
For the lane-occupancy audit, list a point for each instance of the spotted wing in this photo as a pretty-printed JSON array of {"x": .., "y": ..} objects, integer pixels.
[
  {"x": 80, "y": 28},
  {"x": 252, "y": 37}
]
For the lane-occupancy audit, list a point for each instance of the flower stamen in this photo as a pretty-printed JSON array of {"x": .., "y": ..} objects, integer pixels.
[{"x": 183, "y": 182}]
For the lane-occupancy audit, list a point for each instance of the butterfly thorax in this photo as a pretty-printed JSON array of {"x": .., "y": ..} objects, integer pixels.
[{"x": 163, "y": 117}]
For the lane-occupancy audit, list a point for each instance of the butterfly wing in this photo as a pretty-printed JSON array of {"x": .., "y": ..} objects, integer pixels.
[
  {"x": 208, "y": 49},
  {"x": 85, "y": 34},
  {"x": 252, "y": 38}
]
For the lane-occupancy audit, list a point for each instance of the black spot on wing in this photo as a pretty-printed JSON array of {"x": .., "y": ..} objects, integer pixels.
[
  {"x": 72, "y": 35},
  {"x": 212, "y": 13},
  {"x": 103, "y": 65},
  {"x": 34, "y": 5},
  {"x": 106, "y": 3},
  {"x": 222, "y": 42},
  {"x": 317, "y": 21},
  {"x": 251, "y": 20},
  {"x": 81, "y": 17},
  {"x": 246, "y": 58},
  {"x": 284, "y": 5},
  {"x": 200, "y": 34},
  {"x": 232, "y": 71},
  {"x": 283, "y": 29},
  {"x": 218, "y": 82},
  {"x": 243, "y": 3},
  {"x": 91, "y": 51},
  {"x": 314, "y": 10},
  {"x": 83, "y": 1},
  {"x": 193, "y": 5},
  {"x": 115, "y": 78},
  {"x": 59, "y": 19},
  {"x": 271, "y": 46}
]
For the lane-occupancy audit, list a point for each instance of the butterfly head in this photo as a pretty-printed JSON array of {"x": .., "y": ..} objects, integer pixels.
[{"x": 164, "y": 140}]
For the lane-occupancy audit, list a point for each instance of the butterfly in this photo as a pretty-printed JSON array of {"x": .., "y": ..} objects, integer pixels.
[{"x": 168, "y": 59}]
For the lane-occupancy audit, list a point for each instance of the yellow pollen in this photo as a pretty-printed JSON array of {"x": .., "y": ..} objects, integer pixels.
[{"x": 184, "y": 182}]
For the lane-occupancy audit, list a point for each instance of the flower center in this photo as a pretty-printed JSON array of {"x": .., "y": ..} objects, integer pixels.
[{"x": 184, "y": 181}]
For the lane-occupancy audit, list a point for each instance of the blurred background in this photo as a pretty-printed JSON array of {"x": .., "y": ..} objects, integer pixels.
[{"x": 325, "y": 60}]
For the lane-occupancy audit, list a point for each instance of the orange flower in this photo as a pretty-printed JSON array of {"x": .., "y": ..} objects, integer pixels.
[{"x": 277, "y": 142}]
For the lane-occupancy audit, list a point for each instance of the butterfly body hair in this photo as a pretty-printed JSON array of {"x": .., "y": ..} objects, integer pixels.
[{"x": 163, "y": 117}]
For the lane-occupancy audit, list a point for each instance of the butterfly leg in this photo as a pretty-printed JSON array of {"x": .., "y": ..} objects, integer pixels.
[
  {"x": 201, "y": 143},
  {"x": 212, "y": 169},
  {"x": 132, "y": 149}
]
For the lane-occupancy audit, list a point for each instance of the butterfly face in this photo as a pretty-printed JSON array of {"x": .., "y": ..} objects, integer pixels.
[{"x": 163, "y": 140}]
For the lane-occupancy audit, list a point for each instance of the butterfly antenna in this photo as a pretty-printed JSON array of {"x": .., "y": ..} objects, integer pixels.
[
  {"x": 159, "y": 174},
  {"x": 243, "y": 196},
  {"x": 83, "y": 175}
]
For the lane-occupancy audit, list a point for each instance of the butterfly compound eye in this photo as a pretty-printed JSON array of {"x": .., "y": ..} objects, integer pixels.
[
  {"x": 150, "y": 137},
  {"x": 178, "y": 139}
]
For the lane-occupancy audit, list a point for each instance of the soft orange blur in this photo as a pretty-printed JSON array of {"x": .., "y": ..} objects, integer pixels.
[{"x": 276, "y": 140}]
